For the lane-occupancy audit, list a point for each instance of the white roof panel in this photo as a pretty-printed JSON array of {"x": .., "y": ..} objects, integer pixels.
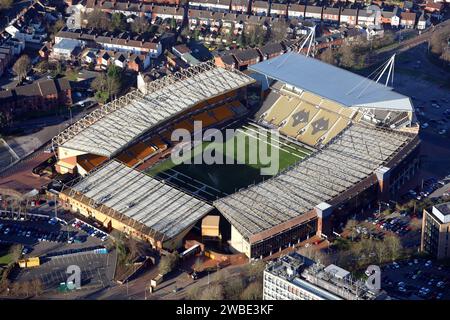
[{"x": 331, "y": 82}]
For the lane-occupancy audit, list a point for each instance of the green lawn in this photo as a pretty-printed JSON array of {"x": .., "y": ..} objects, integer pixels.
[
  {"x": 229, "y": 177},
  {"x": 5, "y": 256}
]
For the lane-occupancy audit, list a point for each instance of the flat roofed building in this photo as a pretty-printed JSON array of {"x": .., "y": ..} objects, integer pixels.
[
  {"x": 133, "y": 202},
  {"x": 436, "y": 231},
  {"x": 294, "y": 277}
]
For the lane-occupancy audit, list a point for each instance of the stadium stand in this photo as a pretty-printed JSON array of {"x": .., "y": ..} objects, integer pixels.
[
  {"x": 317, "y": 127},
  {"x": 89, "y": 161},
  {"x": 133, "y": 201},
  {"x": 282, "y": 108},
  {"x": 304, "y": 113},
  {"x": 109, "y": 129},
  {"x": 223, "y": 113},
  {"x": 324, "y": 175}
]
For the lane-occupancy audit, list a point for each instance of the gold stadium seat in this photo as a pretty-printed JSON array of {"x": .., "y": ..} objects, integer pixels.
[
  {"x": 142, "y": 150},
  {"x": 127, "y": 159},
  {"x": 205, "y": 119},
  {"x": 281, "y": 109},
  {"x": 185, "y": 124},
  {"x": 332, "y": 106},
  {"x": 340, "y": 125},
  {"x": 156, "y": 141},
  {"x": 311, "y": 98},
  {"x": 223, "y": 112},
  {"x": 301, "y": 116},
  {"x": 320, "y": 124}
]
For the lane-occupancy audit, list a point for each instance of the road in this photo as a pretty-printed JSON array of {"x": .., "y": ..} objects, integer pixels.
[{"x": 384, "y": 53}]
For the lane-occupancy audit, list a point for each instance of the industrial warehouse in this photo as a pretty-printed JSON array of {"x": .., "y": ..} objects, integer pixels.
[{"x": 353, "y": 140}]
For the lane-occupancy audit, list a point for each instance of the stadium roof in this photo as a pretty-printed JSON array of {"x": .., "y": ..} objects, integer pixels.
[
  {"x": 331, "y": 82},
  {"x": 111, "y": 128},
  {"x": 117, "y": 189},
  {"x": 352, "y": 157}
]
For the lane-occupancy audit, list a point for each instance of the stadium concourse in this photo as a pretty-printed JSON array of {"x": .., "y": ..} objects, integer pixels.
[{"x": 354, "y": 141}]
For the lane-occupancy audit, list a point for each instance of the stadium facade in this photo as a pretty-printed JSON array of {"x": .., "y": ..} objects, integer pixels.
[{"x": 363, "y": 135}]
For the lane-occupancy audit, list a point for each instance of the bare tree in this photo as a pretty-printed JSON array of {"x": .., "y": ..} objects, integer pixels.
[
  {"x": 22, "y": 66},
  {"x": 252, "y": 292},
  {"x": 393, "y": 246},
  {"x": 212, "y": 292},
  {"x": 5, "y": 4},
  {"x": 140, "y": 25},
  {"x": 328, "y": 56},
  {"x": 233, "y": 288}
]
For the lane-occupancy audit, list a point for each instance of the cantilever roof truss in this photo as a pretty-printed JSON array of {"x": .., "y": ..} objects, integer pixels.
[
  {"x": 351, "y": 157},
  {"x": 109, "y": 129}
]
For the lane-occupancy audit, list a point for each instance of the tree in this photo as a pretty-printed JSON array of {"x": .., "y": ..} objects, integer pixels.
[
  {"x": 22, "y": 66},
  {"x": 118, "y": 22},
  {"x": 328, "y": 56},
  {"x": 58, "y": 25},
  {"x": 233, "y": 288},
  {"x": 140, "y": 25},
  {"x": 278, "y": 31},
  {"x": 16, "y": 252},
  {"x": 37, "y": 286},
  {"x": 173, "y": 24},
  {"x": 168, "y": 263},
  {"x": 5, "y": 4},
  {"x": 212, "y": 292},
  {"x": 347, "y": 57},
  {"x": 350, "y": 227},
  {"x": 394, "y": 247},
  {"x": 98, "y": 20},
  {"x": 254, "y": 270},
  {"x": 252, "y": 292}
]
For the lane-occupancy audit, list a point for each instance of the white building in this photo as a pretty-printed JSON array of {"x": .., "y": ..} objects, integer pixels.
[{"x": 294, "y": 277}]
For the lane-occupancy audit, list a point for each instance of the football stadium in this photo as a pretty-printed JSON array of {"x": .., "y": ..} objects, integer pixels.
[{"x": 344, "y": 142}]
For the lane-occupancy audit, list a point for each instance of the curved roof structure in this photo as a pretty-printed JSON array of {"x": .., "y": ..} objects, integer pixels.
[
  {"x": 111, "y": 128},
  {"x": 331, "y": 82}
]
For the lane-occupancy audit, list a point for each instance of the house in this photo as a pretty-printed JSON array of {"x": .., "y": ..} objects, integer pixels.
[
  {"x": 260, "y": 8},
  {"x": 247, "y": 57},
  {"x": 201, "y": 17},
  {"x": 120, "y": 60},
  {"x": 391, "y": 17},
  {"x": 240, "y": 6},
  {"x": 423, "y": 22},
  {"x": 126, "y": 8},
  {"x": 369, "y": 16},
  {"x": 164, "y": 12},
  {"x": 214, "y": 5},
  {"x": 330, "y": 14},
  {"x": 434, "y": 7},
  {"x": 38, "y": 96},
  {"x": 278, "y": 9},
  {"x": 65, "y": 50},
  {"x": 313, "y": 12},
  {"x": 349, "y": 16},
  {"x": 45, "y": 50},
  {"x": 124, "y": 42},
  {"x": 104, "y": 59},
  {"x": 271, "y": 50},
  {"x": 180, "y": 49},
  {"x": 374, "y": 31},
  {"x": 408, "y": 19},
  {"x": 296, "y": 11},
  {"x": 226, "y": 61},
  {"x": 6, "y": 57}
]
